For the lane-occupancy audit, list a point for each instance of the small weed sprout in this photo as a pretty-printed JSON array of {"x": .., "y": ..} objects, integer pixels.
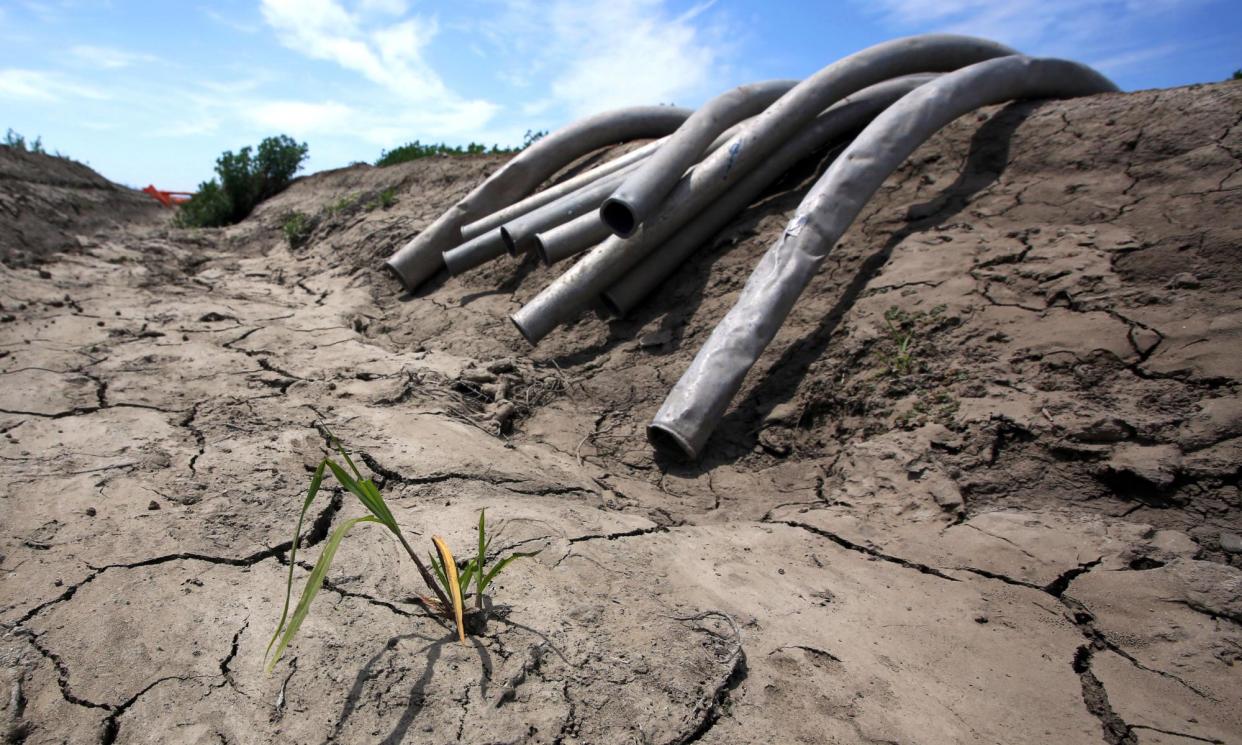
[{"x": 448, "y": 585}]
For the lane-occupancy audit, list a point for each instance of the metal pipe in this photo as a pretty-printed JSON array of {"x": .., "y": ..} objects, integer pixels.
[
  {"x": 845, "y": 117},
  {"x": 644, "y": 189},
  {"x": 573, "y": 237},
  {"x": 572, "y": 291},
  {"x": 519, "y": 233},
  {"x": 498, "y": 242},
  {"x": 556, "y": 191},
  {"x": 423, "y": 256},
  {"x": 695, "y": 405}
]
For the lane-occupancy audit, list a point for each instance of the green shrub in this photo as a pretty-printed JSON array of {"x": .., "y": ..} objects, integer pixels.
[
  {"x": 243, "y": 181},
  {"x": 415, "y": 150},
  {"x": 18, "y": 142},
  {"x": 297, "y": 228},
  {"x": 384, "y": 199}
]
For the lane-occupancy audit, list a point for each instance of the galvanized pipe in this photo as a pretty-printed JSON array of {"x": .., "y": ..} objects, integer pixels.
[
  {"x": 556, "y": 191},
  {"x": 845, "y": 117},
  {"x": 644, "y": 189},
  {"x": 571, "y": 238},
  {"x": 696, "y": 404},
  {"x": 595, "y": 272},
  {"x": 423, "y": 256}
]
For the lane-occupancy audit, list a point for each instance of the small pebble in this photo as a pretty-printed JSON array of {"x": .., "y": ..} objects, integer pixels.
[
  {"x": 154, "y": 505},
  {"x": 1231, "y": 542},
  {"x": 981, "y": 619},
  {"x": 90, "y": 512}
]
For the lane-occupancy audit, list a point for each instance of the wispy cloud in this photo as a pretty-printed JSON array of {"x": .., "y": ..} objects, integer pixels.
[
  {"x": 43, "y": 85},
  {"x": 109, "y": 58}
]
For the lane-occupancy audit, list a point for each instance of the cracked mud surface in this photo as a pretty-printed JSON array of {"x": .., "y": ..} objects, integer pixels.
[{"x": 1021, "y": 529}]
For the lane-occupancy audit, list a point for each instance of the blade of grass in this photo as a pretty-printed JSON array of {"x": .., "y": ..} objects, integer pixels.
[
  {"x": 316, "y": 481},
  {"x": 504, "y": 563},
  {"x": 450, "y": 569},
  {"x": 480, "y": 558},
  {"x": 313, "y": 583}
]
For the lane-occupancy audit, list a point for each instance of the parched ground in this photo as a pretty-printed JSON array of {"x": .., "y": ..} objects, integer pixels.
[{"x": 983, "y": 488}]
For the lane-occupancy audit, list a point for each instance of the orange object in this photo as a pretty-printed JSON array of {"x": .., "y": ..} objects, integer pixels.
[{"x": 168, "y": 198}]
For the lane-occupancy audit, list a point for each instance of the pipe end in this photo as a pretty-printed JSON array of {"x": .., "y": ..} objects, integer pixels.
[
  {"x": 611, "y": 305},
  {"x": 510, "y": 244},
  {"x": 396, "y": 274},
  {"x": 541, "y": 250},
  {"x": 523, "y": 331},
  {"x": 619, "y": 216},
  {"x": 669, "y": 442}
]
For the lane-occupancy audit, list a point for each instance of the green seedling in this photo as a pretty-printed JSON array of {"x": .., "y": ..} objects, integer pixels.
[
  {"x": 369, "y": 495},
  {"x": 476, "y": 569}
]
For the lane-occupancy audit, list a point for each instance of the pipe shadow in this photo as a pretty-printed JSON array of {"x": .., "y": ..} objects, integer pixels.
[{"x": 985, "y": 163}]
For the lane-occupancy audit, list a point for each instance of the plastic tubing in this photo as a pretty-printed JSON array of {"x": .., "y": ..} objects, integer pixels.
[
  {"x": 566, "y": 296},
  {"x": 699, "y": 399},
  {"x": 423, "y": 256}
]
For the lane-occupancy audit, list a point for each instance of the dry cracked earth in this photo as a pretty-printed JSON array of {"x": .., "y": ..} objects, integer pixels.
[{"x": 984, "y": 487}]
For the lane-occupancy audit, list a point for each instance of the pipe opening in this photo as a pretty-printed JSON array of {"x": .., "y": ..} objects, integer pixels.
[
  {"x": 510, "y": 244},
  {"x": 522, "y": 330},
  {"x": 541, "y": 250},
  {"x": 618, "y": 216},
  {"x": 665, "y": 440},
  {"x": 392, "y": 270},
  {"x": 610, "y": 304}
]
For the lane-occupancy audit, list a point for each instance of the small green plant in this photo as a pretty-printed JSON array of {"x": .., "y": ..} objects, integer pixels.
[
  {"x": 297, "y": 228},
  {"x": 245, "y": 178},
  {"x": 342, "y": 205},
  {"x": 476, "y": 568},
  {"x": 905, "y": 331},
  {"x": 384, "y": 200},
  {"x": 1237, "y": 75},
  {"x": 449, "y": 589},
  {"x": 18, "y": 142}
]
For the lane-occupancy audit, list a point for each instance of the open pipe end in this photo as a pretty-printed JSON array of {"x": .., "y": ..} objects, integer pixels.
[
  {"x": 392, "y": 270},
  {"x": 522, "y": 330},
  {"x": 510, "y": 244},
  {"x": 541, "y": 250},
  {"x": 619, "y": 216},
  {"x": 610, "y": 304},
  {"x": 669, "y": 442}
]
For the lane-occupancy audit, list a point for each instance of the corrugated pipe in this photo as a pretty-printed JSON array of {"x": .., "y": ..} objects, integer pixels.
[
  {"x": 701, "y": 396},
  {"x": 644, "y": 189},
  {"x": 568, "y": 294},
  {"x": 423, "y": 256},
  {"x": 842, "y": 119}
]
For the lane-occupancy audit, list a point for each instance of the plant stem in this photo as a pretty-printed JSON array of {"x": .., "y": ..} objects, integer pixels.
[{"x": 426, "y": 575}]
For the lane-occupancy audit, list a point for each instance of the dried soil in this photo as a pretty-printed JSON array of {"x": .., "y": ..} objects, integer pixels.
[{"x": 982, "y": 488}]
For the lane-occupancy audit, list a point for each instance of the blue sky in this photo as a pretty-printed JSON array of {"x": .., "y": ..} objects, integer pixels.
[{"x": 153, "y": 92}]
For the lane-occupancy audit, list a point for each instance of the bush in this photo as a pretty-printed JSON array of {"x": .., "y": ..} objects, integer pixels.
[
  {"x": 243, "y": 181},
  {"x": 297, "y": 228},
  {"x": 18, "y": 142},
  {"x": 415, "y": 150}
]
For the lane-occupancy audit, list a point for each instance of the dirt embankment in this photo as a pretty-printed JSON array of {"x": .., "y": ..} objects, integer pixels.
[{"x": 982, "y": 488}]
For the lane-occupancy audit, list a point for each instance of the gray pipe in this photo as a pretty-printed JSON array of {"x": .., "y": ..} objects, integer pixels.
[
  {"x": 643, "y": 191},
  {"x": 519, "y": 233},
  {"x": 517, "y": 236},
  {"x": 595, "y": 272},
  {"x": 571, "y": 238},
  {"x": 422, "y": 257},
  {"x": 851, "y": 114},
  {"x": 700, "y": 398},
  {"x": 556, "y": 191}
]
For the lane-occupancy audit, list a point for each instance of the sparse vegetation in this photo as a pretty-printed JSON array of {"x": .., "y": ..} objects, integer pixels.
[
  {"x": 1237, "y": 75},
  {"x": 416, "y": 149},
  {"x": 18, "y": 142},
  {"x": 297, "y": 228},
  {"x": 243, "y": 181},
  {"x": 449, "y": 590},
  {"x": 384, "y": 200}
]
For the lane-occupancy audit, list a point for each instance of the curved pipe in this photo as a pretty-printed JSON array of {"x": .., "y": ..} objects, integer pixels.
[
  {"x": 644, "y": 189},
  {"x": 566, "y": 296},
  {"x": 556, "y": 191},
  {"x": 844, "y": 118},
  {"x": 695, "y": 405},
  {"x": 422, "y": 257},
  {"x": 573, "y": 237}
]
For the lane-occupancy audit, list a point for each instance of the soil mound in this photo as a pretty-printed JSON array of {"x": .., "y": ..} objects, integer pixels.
[
  {"x": 984, "y": 486},
  {"x": 46, "y": 202}
]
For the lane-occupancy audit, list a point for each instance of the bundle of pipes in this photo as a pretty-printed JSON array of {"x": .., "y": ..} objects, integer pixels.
[{"x": 654, "y": 206}]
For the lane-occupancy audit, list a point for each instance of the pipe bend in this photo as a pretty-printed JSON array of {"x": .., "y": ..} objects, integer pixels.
[
  {"x": 421, "y": 257},
  {"x": 699, "y": 399}
]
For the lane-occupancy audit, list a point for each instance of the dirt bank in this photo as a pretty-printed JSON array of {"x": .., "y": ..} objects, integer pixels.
[{"x": 982, "y": 488}]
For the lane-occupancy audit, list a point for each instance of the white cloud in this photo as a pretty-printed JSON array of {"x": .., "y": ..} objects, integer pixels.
[
  {"x": 301, "y": 118},
  {"x": 42, "y": 85},
  {"x": 108, "y": 57}
]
